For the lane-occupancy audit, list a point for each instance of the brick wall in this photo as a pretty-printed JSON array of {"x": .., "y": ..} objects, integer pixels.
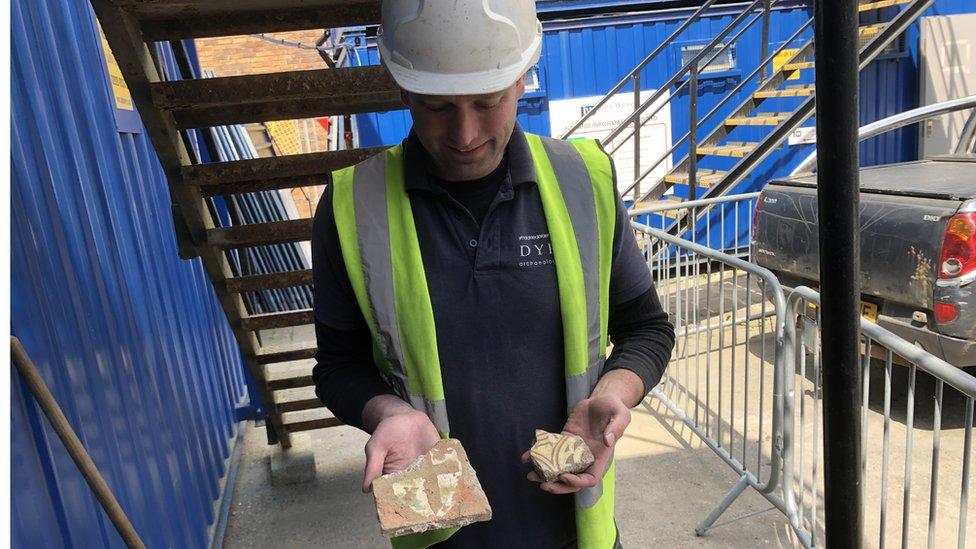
[{"x": 238, "y": 55}]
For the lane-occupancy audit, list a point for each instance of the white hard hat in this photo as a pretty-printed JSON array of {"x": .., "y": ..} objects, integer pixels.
[{"x": 460, "y": 47}]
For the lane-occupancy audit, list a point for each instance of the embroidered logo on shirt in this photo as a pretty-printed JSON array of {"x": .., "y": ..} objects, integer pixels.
[{"x": 535, "y": 250}]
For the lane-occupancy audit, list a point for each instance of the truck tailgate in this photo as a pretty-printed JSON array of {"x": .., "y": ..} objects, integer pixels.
[{"x": 901, "y": 239}]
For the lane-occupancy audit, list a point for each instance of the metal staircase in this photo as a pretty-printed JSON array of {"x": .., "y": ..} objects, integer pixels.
[
  {"x": 169, "y": 108},
  {"x": 721, "y": 142}
]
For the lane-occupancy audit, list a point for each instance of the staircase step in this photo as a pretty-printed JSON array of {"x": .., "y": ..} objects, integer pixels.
[
  {"x": 298, "y": 405},
  {"x": 870, "y": 30},
  {"x": 738, "y": 150},
  {"x": 798, "y": 66},
  {"x": 306, "y": 420},
  {"x": 205, "y": 102},
  {"x": 705, "y": 178},
  {"x": 259, "y": 234},
  {"x": 255, "y": 283},
  {"x": 273, "y": 355},
  {"x": 670, "y": 201},
  {"x": 868, "y": 6},
  {"x": 169, "y": 20},
  {"x": 294, "y": 400},
  {"x": 758, "y": 119},
  {"x": 277, "y": 172},
  {"x": 290, "y": 382},
  {"x": 277, "y": 320},
  {"x": 798, "y": 91}
]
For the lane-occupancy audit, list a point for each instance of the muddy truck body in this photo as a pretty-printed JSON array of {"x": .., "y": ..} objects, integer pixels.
[{"x": 918, "y": 248}]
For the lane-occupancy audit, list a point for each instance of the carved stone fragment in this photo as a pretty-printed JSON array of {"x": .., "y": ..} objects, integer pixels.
[
  {"x": 438, "y": 490},
  {"x": 554, "y": 454}
]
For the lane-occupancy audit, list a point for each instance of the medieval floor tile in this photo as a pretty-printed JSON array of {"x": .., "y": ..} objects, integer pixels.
[
  {"x": 439, "y": 490},
  {"x": 554, "y": 454}
]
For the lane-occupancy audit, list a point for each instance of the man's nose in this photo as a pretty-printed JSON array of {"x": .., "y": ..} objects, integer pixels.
[{"x": 465, "y": 128}]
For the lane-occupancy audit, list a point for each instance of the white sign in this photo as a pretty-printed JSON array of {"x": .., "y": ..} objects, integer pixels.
[
  {"x": 803, "y": 136},
  {"x": 655, "y": 134}
]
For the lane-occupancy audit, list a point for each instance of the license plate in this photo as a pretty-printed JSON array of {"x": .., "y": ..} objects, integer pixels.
[{"x": 869, "y": 311}]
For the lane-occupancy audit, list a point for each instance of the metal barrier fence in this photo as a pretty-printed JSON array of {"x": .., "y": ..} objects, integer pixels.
[
  {"x": 729, "y": 320},
  {"x": 745, "y": 378},
  {"x": 934, "y": 444}
]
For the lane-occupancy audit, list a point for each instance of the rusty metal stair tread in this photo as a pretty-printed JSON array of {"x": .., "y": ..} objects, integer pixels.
[
  {"x": 255, "y": 283},
  {"x": 737, "y": 150},
  {"x": 276, "y": 172},
  {"x": 277, "y": 320},
  {"x": 204, "y": 102},
  {"x": 294, "y": 400},
  {"x": 176, "y": 19},
  {"x": 305, "y": 420},
  {"x": 260, "y": 234},
  {"x": 280, "y": 354},
  {"x": 289, "y": 375}
]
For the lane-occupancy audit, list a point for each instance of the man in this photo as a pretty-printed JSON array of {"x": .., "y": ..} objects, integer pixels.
[{"x": 467, "y": 281}]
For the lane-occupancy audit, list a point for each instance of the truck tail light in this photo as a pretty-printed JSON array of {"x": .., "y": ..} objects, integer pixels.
[
  {"x": 945, "y": 312},
  {"x": 958, "y": 246}
]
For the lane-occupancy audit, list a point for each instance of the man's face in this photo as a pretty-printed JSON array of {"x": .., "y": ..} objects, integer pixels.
[{"x": 465, "y": 135}]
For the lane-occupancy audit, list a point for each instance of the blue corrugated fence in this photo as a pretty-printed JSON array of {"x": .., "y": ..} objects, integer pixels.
[{"x": 129, "y": 338}]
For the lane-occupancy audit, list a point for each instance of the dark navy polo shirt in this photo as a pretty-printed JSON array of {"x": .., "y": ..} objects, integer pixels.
[{"x": 495, "y": 299}]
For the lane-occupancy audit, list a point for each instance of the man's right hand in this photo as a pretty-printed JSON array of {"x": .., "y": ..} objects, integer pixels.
[{"x": 400, "y": 435}]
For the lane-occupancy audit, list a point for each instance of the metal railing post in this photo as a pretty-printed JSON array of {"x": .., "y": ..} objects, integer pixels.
[
  {"x": 693, "y": 133},
  {"x": 764, "y": 47},
  {"x": 637, "y": 128}
]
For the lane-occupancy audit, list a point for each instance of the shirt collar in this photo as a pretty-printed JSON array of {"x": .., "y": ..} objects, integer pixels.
[{"x": 416, "y": 176}]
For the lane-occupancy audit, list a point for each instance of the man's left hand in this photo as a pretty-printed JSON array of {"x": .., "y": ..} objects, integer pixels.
[{"x": 600, "y": 420}]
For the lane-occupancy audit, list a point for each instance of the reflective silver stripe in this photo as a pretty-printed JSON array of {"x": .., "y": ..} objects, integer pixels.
[
  {"x": 580, "y": 386},
  {"x": 436, "y": 410},
  {"x": 373, "y": 235},
  {"x": 375, "y": 251},
  {"x": 588, "y": 497},
  {"x": 577, "y": 191}
]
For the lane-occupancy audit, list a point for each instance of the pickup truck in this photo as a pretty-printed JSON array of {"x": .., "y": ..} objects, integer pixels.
[{"x": 918, "y": 248}]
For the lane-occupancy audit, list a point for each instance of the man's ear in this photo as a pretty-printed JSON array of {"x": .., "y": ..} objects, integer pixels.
[{"x": 520, "y": 87}]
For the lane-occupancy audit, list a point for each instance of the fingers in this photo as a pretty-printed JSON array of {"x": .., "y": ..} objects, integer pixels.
[
  {"x": 567, "y": 483},
  {"x": 579, "y": 481},
  {"x": 558, "y": 488},
  {"x": 614, "y": 430},
  {"x": 527, "y": 456},
  {"x": 374, "y": 467}
]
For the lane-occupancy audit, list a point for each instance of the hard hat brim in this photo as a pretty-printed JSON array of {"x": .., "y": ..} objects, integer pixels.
[{"x": 473, "y": 83}]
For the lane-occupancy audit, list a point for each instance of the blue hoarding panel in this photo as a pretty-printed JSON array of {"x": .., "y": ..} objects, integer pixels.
[{"x": 129, "y": 338}]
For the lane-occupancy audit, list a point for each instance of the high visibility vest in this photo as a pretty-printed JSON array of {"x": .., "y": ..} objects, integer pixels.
[{"x": 381, "y": 253}]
